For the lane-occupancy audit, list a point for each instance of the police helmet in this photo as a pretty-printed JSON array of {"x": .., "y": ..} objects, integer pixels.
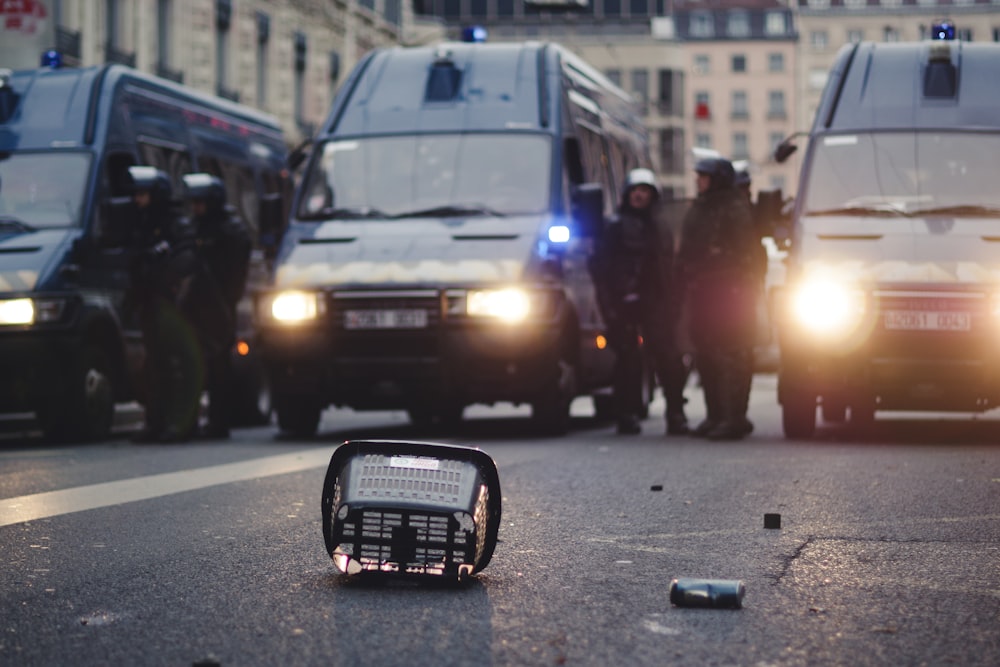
[
  {"x": 706, "y": 166},
  {"x": 206, "y": 188},
  {"x": 151, "y": 180},
  {"x": 641, "y": 176}
]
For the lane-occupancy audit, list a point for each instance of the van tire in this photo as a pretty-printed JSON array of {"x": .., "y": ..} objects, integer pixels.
[
  {"x": 298, "y": 417},
  {"x": 550, "y": 411},
  {"x": 86, "y": 411}
]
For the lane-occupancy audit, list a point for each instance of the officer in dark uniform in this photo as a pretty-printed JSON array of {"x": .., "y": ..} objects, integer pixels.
[
  {"x": 160, "y": 266},
  {"x": 743, "y": 182},
  {"x": 223, "y": 250},
  {"x": 716, "y": 265},
  {"x": 634, "y": 288}
]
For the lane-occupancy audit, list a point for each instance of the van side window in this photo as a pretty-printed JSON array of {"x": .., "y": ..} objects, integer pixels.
[
  {"x": 595, "y": 164},
  {"x": 175, "y": 163},
  {"x": 241, "y": 192}
]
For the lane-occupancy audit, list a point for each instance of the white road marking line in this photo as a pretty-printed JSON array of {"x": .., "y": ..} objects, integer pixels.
[{"x": 93, "y": 496}]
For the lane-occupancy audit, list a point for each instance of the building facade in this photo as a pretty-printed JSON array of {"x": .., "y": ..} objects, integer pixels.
[{"x": 285, "y": 57}]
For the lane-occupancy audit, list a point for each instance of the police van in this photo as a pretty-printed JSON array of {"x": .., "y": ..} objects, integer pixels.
[
  {"x": 438, "y": 247},
  {"x": 68, "y": 352},
  {"x": 892, "y": 299}
]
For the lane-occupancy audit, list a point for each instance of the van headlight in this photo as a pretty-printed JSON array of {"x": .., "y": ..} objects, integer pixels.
[
  {"x": 293, "y": 307},
  {"x": 828, "y": 309},
  {"x": 510, "y": 304},
  {"x": 27, "y": 311}
]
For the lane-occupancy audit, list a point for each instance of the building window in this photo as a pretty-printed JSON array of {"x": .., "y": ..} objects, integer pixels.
[
  {"x": 163, "y": 24},
  {"x": 672, "y": 150},
  {"x": 613, "y": 8},
  {"x": 776, "y": 104},
  {"x": 640, "y": 88},
  {"x": 964, "y": 34},
  {"x": 891, "y": 3},
  {"x": 701, "y": 24},
  {"x": 890, "y": 34},
  {"x": 818, "y": 40},
  {"x": 702, "y": 64},
  {"x": 223, "y": 19},
  {"x": 738, "y": 23},
  {"x": 111, "y": 23},
  {"x": 702, "y": 106},
  {"x": 740, "y": 111},
  {"x": 739, "y": 63},
  {"x": 300, "y": 46},
  {"x": 263, "y": 37},
  {"x": 740, "y": 146},
  {"x": 671, "y": 92},
  {"x": 996, "y": 34},
  {"x": 775, "y": 138},
  {"x": 818, "y": 4},
  {"x": 394, "y": 11},
  {"x": 855, "y": 4},
  {"x": 855, "y": 35},
  {"x": 775, "y": 23},
  {"x": 817, "y": 78},
  {"x": 614, "y": 76},
  {"x": 505, "y": 8},
  {"x": 703, "y": 140},
  {"x": 776, "y": 62},
  {"x": 367, "y": 4}
]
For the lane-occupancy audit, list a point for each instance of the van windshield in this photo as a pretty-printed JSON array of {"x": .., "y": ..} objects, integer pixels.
[
  {"x": 43, "y": 190},
  {"x": 448, "y": 174},
  {"x": 905, "y": 174}
]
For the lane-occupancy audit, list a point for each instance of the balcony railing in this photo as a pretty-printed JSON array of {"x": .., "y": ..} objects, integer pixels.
[
  {"x": 114, "y": 55},
  {"x": 166, "y": 72}
]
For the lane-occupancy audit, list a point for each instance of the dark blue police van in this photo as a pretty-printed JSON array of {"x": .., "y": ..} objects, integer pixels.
[
  {"x": 68, "y": 352},
  {"x": 892, "y": 299},
  {"x": 437, "y": 251}
]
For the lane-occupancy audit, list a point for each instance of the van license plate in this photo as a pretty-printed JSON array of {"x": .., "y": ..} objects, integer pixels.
[
  {"x": 927, "y": 320},
  {"x": 385, "y": 319}
]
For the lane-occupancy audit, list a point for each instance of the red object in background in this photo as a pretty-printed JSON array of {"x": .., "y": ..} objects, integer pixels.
[{"x": 702, "y": 111}]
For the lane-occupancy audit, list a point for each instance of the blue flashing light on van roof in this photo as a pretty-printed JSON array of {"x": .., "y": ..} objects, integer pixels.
[
  {"x": 945, "y": 30},
  {"x": 474, "y": 33},
  {"x": 53, "y": 59}
]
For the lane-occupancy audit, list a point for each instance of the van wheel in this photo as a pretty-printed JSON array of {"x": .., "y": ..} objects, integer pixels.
[
  {"x": 299, "y": 417},
  {"x": 550, "y": 411},
  {"x": 252, "y": 401},
  {"x": 86, "y": 410}
]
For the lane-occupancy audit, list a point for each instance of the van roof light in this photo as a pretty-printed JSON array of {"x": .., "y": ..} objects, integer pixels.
[
  {"x": 52, "y": 58},
  {"x": 474, "y": 33},
  {"x": 943, "y": 30}
]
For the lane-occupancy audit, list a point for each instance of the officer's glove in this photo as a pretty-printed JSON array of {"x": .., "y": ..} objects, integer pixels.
[{"x": 160, "y": 249}]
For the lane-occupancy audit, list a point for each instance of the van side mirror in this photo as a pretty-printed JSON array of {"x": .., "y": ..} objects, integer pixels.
[
  {"x": 784, "y": 150},
  {"x": 272, "y": 223},
  {"x": 587, "y": 208}
]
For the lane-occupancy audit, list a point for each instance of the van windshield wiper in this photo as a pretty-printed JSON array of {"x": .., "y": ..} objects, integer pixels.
[
  {"x": 452, "y": 210},
  {"x": 965, "y": 210},
  {"x": 875, "y": 211},
  {"x": 9, "y": 223},
  {"x": 345, "y": 213}
]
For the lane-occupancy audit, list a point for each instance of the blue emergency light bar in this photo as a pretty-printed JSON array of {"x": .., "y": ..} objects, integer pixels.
[
  {"x": 52, "y": 58},
  {"x": 945, "y": 30},
  {"x": 474, "y": 33}
]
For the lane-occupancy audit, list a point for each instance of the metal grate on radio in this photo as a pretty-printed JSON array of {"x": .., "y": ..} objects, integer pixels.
[{"x": 410, "y": 508}]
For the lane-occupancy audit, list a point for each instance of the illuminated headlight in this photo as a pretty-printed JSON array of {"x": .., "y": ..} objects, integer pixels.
[
  {"x": 17, "y": 311},
  {"x": 294, "y": 307},
  {"x": 559, "y": 234},
  {"x": 30, "y": 311},
  {"x": 510, "y": 305},
  {"x": 828, "y": 309}
]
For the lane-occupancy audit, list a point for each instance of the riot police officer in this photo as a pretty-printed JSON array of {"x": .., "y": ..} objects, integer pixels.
[
  {"x": 161, "y": 263},
  {"x": 716, "y": 265},
  {"x": 223, "y": 251},
  {"x": 635, "y": 290}
]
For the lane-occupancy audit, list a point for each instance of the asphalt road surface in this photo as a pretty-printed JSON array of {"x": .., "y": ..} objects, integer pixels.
[{"x": 211, "y": 553}]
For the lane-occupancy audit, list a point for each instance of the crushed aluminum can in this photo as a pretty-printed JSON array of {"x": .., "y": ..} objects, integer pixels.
[{"x": 710, "y": 593}]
